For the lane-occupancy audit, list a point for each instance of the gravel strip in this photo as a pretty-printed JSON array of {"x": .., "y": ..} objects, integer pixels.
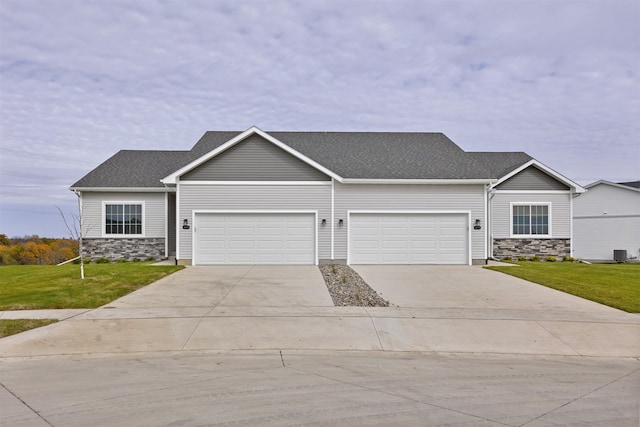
[{"x": 347, "y": 288}]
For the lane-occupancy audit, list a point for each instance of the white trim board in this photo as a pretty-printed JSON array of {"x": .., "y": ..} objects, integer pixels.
[{"x": 263, "y": 183}]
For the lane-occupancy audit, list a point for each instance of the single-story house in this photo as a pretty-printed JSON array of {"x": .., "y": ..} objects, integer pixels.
[
  {"x": 607, "y": 218},
  {"x": 257, "y": 197}
]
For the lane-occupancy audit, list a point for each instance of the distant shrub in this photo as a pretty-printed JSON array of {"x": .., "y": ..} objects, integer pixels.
[
  {"x": 151, "y": 258},
  {"x": 568, "y": 258},
  {"x": 522, "y": 258},
  {"x": 122, "y": 261},
  {"x": 534, "y": 258},
  {"x": 136, "y": 260},
  {"x": 550, "y": 259},
  {"x": 102, "y": 260}
]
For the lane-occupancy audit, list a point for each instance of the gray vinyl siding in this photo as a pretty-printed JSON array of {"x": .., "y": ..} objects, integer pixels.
[
  {"x": 255, "y": 159},
  {"x": 154, "y": 212},
  {"x": 560, "y": 212},
  {"x": 390, "y": 197},
  {"x": 257, "y": 198},
  {"x": 171, "y": 223},
  {"x": 606, "y": 218},
  {"x": 606, "y": 198},
  {"x": 532, "y": 178}
]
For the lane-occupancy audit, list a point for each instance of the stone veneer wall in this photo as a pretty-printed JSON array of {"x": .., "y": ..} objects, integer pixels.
[
  {"x": 115, "y": 249},
  {"x": 503, "y": 248}
]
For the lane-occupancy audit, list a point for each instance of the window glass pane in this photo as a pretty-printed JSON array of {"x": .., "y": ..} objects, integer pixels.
[
  {"x": 123, "y": 219},
  {"x": 521, "y": 220}
]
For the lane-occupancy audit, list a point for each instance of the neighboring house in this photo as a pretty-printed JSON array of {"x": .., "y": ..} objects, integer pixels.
[
  {"x": 258, "y": 197},
  {"x": 607, "y": 218}
]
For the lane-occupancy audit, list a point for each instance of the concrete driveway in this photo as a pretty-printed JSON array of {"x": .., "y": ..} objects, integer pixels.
[
  {"x": 462, "y": 346},
  {"x": 437, "y": 309}
]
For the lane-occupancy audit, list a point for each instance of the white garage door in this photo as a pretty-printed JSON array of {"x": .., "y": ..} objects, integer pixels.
[
  {"x": 408, "y": 239},
  {"x": 262, "y": 238}
]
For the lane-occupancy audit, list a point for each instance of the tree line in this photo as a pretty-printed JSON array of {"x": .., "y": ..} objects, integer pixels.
[{"x": 35, "y": 250}]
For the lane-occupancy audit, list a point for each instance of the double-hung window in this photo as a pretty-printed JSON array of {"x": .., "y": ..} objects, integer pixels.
[
  {"x": 530, "y": 219},
  {"x": 124, "y": 219}
]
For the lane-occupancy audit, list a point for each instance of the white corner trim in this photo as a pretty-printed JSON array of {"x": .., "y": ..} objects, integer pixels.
[
  {"x": 333, "y": 216},
  {"x": 166, "y": 225},
  {"x": 533, "y": 162},
  {"x": 171, "y": 179}
]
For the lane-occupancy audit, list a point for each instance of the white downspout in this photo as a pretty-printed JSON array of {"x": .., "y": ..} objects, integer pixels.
[{"x": 79, "y": 194}]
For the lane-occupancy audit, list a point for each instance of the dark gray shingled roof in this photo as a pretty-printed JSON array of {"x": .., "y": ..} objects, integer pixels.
[
  {"x": 363, "y": 155},
  {"x": 632, "y": 184},
  {"x": 134, "y": 168}
]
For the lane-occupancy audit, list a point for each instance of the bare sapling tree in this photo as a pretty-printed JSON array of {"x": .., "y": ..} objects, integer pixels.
[{"x": 74, "y": 228}]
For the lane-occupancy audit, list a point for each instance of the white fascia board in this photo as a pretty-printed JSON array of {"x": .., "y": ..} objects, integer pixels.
[
  {"x": 612, "y": 184},
  {"x": 533, "y": 162},
  {"x": 125, "y": 189},
  {"x": 171, "y": 179},
  {"x": 417, "y": 181},
  {"x": 275, "y": 183}
]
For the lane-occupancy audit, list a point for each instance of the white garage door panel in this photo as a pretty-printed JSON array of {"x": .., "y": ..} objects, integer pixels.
[
  {"x": 239, "y": 238},
  {"x": 408, "y": 239}
]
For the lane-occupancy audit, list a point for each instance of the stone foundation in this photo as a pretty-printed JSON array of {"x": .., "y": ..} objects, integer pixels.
[
  {"x": 129, "y": 249},
  {"x": 503, "y": 248}
]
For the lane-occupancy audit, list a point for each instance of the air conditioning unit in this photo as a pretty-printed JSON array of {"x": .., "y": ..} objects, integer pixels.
[{"x": 620, "y": 255}]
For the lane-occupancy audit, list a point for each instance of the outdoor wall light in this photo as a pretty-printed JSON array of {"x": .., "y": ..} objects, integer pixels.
[
  {"x": 340, "y": 223},
  {"x": 324, "y": 222},
  {"x": 477, "y": 225},
  {"x": 185, "y": 224}
]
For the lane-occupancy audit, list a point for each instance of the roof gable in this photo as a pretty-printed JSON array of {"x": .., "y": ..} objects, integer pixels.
[
  {"x": 545, "y": 170},
  {"x": 254, "y": 159},
  {"x": 533, "y": 178},
  {"x": 172, "y": 178},
  {"x": 622, "y": 186}
]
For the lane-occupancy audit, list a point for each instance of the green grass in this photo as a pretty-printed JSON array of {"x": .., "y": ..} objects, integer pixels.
[
  {"x": 15, "y": 326},
  {"x": 615, "y": 285},
  {"x": 26, "y": 287}
]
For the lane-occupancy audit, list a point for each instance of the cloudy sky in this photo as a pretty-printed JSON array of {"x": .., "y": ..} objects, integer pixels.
[{"x": 80, "y": 80}]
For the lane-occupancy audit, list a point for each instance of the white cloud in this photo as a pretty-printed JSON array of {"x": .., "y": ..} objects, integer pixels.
[{"x": 81, "y": 80}]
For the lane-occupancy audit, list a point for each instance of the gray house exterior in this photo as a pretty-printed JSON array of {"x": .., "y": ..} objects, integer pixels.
[
  {"x": 258, "y": 197},
  {"x": 607, "y": 218}
]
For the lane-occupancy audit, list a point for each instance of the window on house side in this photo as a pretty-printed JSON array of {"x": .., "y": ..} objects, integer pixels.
[
  {"x": 531, "y": 220},
  {"x": 122, "y": 218}
]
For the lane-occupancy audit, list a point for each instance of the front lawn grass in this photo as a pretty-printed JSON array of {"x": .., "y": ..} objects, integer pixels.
[
  {"x": 15, "y": 326},
  {"x": 615, "y": 285},
  {"x": 32, "y": 287}
]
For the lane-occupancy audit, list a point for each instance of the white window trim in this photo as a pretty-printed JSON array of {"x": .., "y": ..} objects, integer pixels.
[
  {"x": 530, "y": 236},
  {"x": 103, "y": 221}
]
